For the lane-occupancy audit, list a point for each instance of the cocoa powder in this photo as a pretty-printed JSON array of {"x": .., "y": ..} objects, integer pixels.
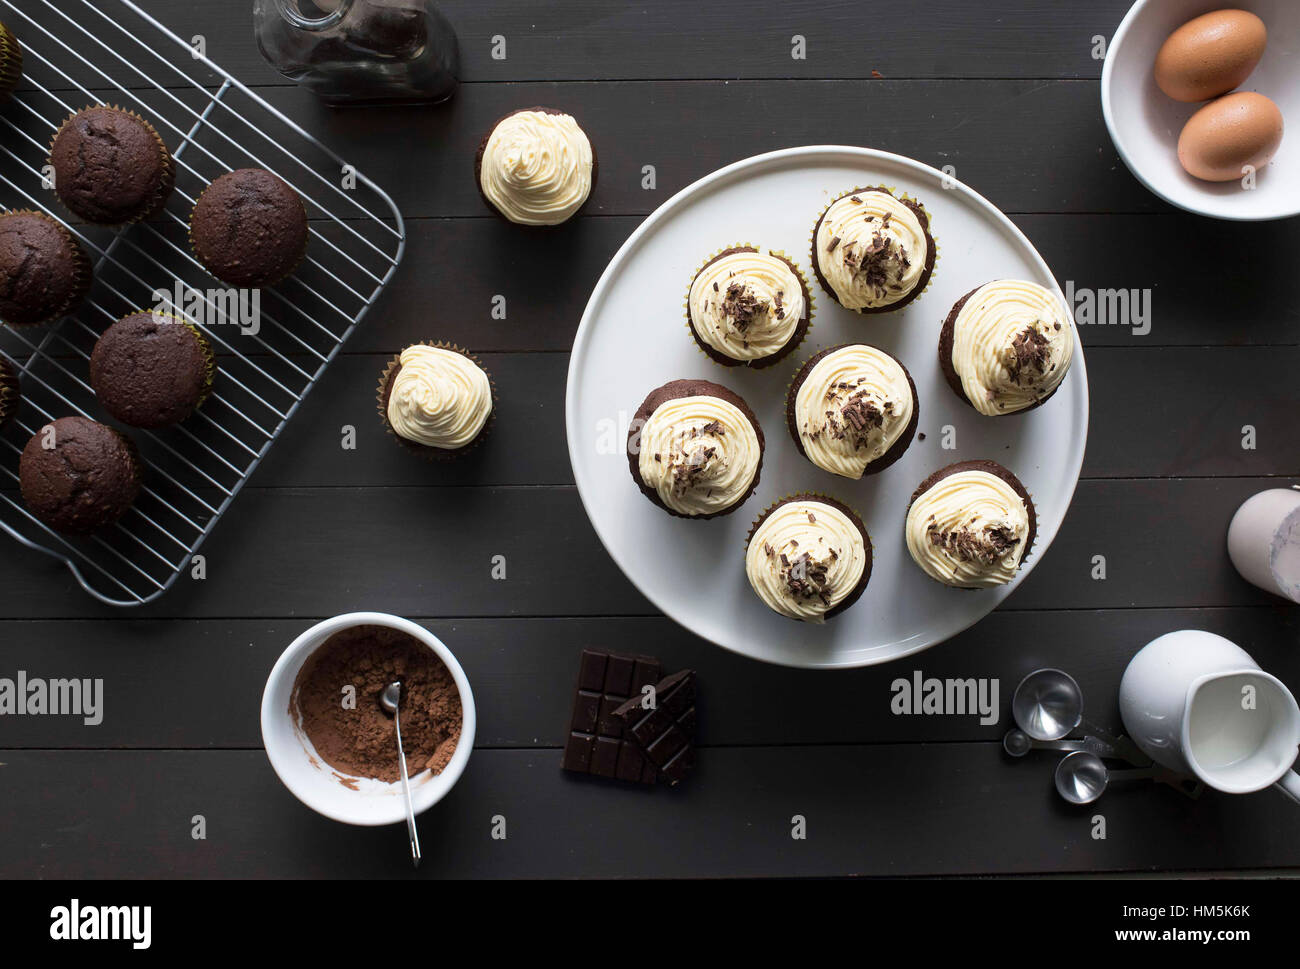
[{"x": 349, "y": 728}]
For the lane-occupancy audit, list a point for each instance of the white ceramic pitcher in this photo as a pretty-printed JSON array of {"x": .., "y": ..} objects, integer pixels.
[{"x": 1198, "y": 704}]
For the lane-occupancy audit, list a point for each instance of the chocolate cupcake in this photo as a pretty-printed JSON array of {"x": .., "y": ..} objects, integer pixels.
[
  {"x": 852, "y": 410},
  {"x": 249, "y": 228},
  {"x": 536, "y": 167},
  {"x": 695, "y": 449},
  {"x": 808, "y": 557},
  {"x": 44, "y": 273},
  {"x": 746, "y": 307},
  {"x": 111, "y": 167},
  {"x": 1006, "y": 346},
  {"x": 78, "y": 476},
  {"x": 11, "y": 62},
  {"x": 152, "y": 370},
  {"x": 873, "y": 252},
  {"x": 971, "y": 525},
  {"x": 435, "y": 398},
  {"x": 10, "y": 392}
]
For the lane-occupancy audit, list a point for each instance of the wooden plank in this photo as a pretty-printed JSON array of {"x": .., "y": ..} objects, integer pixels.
[
  {"x": 523, "y": 670},
  {"x": 885, "y": 809},
  {"x": 978, "y": 127},
  {"x": 1154, "y": 413},
  {"x": 600, "y": 40},
  {"x": 547, "y": 280},
  {"x": 430, "y": 551}
]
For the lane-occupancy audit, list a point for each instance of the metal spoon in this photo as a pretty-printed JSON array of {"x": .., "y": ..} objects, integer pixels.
[
  {"x": 1017, "y": 743},
  {"x": 1081, "y": 777},
  {"x": 388, "y": 700},
  {"x": 1048, "y": 704}
]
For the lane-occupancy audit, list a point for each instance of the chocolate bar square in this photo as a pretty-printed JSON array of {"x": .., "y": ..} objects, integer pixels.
[
  {"x": 667, "y": 733},
  {"x": 597, "y": 741}
]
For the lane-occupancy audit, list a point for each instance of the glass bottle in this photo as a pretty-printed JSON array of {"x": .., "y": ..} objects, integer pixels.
[{"x": 360, "y": 51}]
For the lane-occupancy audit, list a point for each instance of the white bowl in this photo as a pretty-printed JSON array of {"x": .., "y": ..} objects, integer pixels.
[
  {"x": 1145, "y": 123},
  {"x": 317, "y": 784}
]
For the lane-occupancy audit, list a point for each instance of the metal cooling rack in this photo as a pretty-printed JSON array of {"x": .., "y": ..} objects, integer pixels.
[{"x": 77, "y": 53}]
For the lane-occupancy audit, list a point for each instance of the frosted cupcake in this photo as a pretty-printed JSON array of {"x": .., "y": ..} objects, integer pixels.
[
  {"x": 695, "y": 449},
  {"x": 748, "y": 308},
  {"x": 1006, "y": 346},
  {"x": 808, "y": 557},
  {"x": 536, "y": 167},
  {"x": 852, "y": 410},
  {"x": 971, "y": 525},
  {"x": 873, "y": 252},
  {"x": 436, "y": 398}
]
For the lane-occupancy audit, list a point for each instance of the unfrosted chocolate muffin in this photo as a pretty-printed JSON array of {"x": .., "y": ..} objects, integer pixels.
[
  {"x": 78, "y": 476},
  {"x": 695, "y": 449},
  {"x": 10, "y": 391},
  {"x": 111, "y": 167},
  {"x": 11, "y": 62},
  {"x": 249, "y": 228},
  {"x": 152, "y": 370},
  {"x": 44, "y": 274}
]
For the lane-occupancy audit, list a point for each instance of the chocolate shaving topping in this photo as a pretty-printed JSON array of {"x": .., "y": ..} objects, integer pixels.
[
  {"x": 988, "y": 547},
  {"x": 806, "y": 578},
  {"x": 835, "y": 241},
  {"x": 1028, "y": 356},
  {"x": 742, "y": 306}
]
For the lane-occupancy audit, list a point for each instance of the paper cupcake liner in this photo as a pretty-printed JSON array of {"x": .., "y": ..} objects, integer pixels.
[
  {"x": 10, "y": 391},
  {"x": 435, "y": 453},
  {"x": 761, "y": 363},
  {"x": 275, "y": 281},
  {"x": 166, "y": 185},
  {"x": 83, "y": 274},
  {"x": 11, "y": 62},
  {"x": 902, "y": 197}
]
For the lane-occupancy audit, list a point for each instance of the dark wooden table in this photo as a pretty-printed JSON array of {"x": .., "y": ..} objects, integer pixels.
[{"x": 1007, "y": 93}]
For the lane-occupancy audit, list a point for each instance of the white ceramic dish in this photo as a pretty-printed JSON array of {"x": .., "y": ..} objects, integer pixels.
[
  {"x": 313, "y": 781},
  {"x": 633, "y": 338},
  {"x": 1144, "y": 123}
]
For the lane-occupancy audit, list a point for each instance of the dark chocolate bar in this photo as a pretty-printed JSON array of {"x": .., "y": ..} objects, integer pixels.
[
  {"x": 597, "y": 743},
  {"x": 667, "y": 733}
]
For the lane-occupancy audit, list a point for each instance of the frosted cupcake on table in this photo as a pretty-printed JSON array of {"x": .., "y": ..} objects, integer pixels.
[
  {"x": 536, "y": 167},
  {"x": 1006, "y": 346},
  {"x": 747, "y": 307},
  {"x": 872, "y": 251},
  {"x": 695, "y": 449},
  {"x": 435, "y": 398},
  {"x": 852, "y": 410},
  {"x": 971, "y": 525},
  {"x": 808, "y": 557}
]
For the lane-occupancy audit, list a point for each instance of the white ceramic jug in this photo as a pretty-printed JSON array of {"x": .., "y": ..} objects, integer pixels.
[{"x": 1198, "y": 704}]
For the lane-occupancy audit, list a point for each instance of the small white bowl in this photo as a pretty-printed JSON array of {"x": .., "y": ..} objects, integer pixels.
[
  {"x": 313, "y": 781},
  {"x": 1145, "y": 123}
]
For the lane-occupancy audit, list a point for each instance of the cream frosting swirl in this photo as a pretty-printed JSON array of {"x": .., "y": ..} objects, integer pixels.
[
  {"x": 968, "y": 530},
  {"x": 439, "y": 398},
  {"x": 746, "y": 305},
  {"x": 805, "y": 558},
  {"x": 853, "y": 406},
  {"x": 700, "y": 454},
  {"x": 1012, "y": 343},
  {"x": 537, "y": 167},
  {"x": 871, "y": 250}
]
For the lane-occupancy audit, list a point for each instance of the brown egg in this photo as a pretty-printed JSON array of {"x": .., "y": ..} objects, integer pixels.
[
  {"x": 1228, "y": 134},
  {"x": 1210, "y": 55}
]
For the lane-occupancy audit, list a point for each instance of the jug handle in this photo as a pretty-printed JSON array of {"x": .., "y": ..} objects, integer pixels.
[{"x": 1290, "y": 785}]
